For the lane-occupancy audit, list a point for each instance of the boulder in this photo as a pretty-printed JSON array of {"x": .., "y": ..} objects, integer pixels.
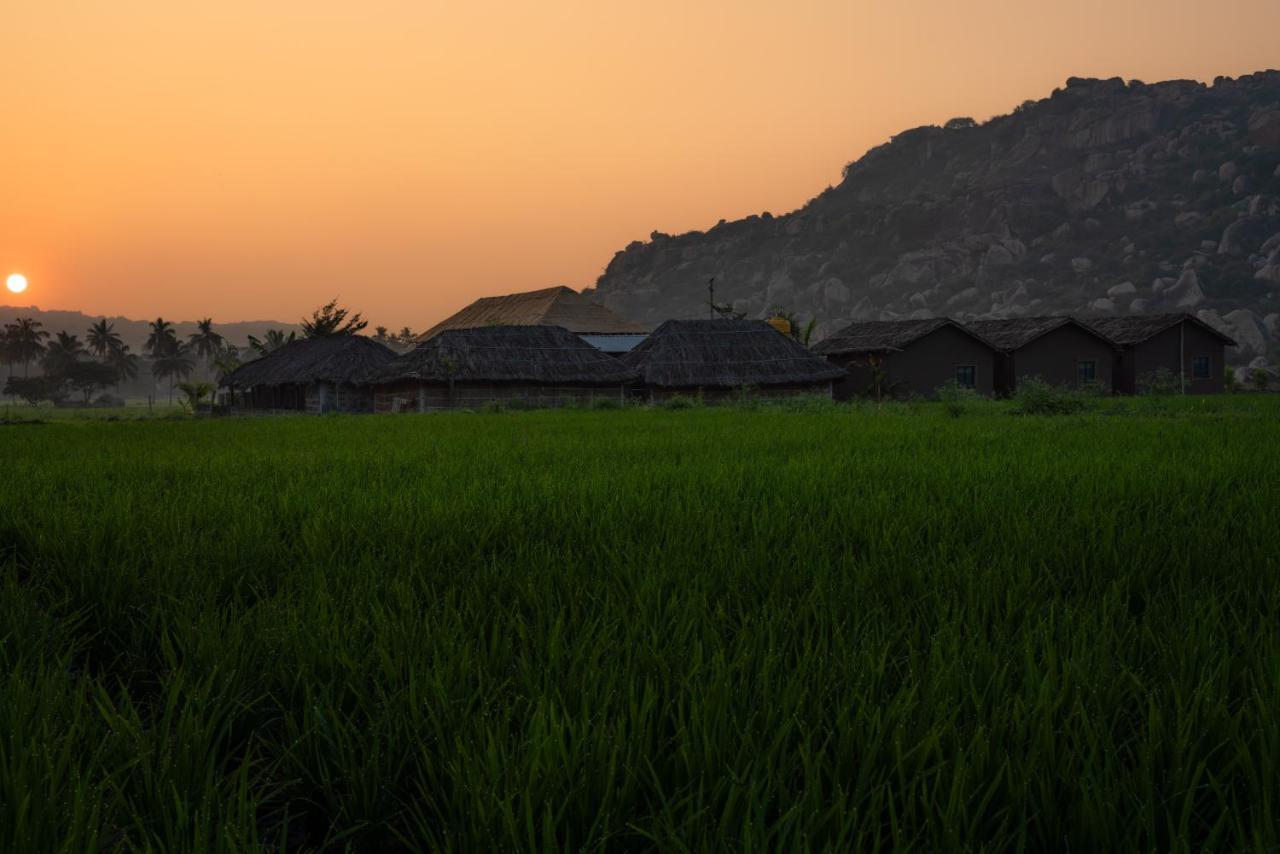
[
  {"x": 1103, "y": 304},
  {"x": 1139, "y": 306},
  {"x": 1264, "y": 205},
  {"x": 1185, "y": 292},
  {"x": 835, "y": 291},
  {"x": 1249, "y": 332},
  {"x": 1081, "y": 265},
  {"x": 1122, "y": 290},
  {"x": 1271, "y": 323},
  {"x": 918, "y": 299},
  {"x": 1241, "y": 185},
  {"x": 1187, "y": 218},
  {"x": 1228, "y": 171},
  {"x": 1264, "y": 127},
  {"x": 1243, "y": 235},
  {"x": 1208, "y": 246},
  {"x": 1200, "y": 176},
  {"x": 963, "y": 296},
  {"x": 1081, "y": 193},
  {"x": 997, "y": 256}
]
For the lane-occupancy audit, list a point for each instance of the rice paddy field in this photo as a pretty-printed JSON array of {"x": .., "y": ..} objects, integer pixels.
[{"x": 778, "y": 629}]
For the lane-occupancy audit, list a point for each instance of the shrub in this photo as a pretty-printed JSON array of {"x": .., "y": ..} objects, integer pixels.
[
  {"x": 606, "y": 403},
  {"x": 1159, "y": 381},
  {"x": 679, "y": 401},
  {"x": 1230, "y": 381},
  {"x": 1037, "y": 397},
  {"x": 956, "y": 398},
  {"x": 1259, "y": 379},
  {"x": 108, "y": 401}
]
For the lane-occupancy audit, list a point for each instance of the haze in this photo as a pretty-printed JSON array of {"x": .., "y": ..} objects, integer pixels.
[{"x": 250, "y": 160}]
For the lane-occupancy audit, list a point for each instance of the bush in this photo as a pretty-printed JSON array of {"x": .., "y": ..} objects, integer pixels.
[
  {"x": 108, "y": 401},
  {"x": 1230, "y": 381},
  {"x": 1160, "y": 381},
  {"x": 1037, "y": 397},
  {"x": 679, "y": 401},
  {"x": 1260, "y": 379},
  {"x": 956, "y": 398},
  {"x": 606, "y": 403}
]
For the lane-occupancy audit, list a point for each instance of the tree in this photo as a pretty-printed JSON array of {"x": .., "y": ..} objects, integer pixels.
[
  {"x": 406, "y": 335},
  {"x": 272, "y": 341},
  {"x": 26, "y": 342},
  {"x": 961, "y": 123},
  {"x": 227, "y": 360},
  {"x": 86, "y": 377},
  {"x": 162, "y": 337},
  {"x": 799, "y": 332},
  {"x": 206, "y": 343},
  {"x": 174, "y": 362},
  {"x": 65, "y": 350},
  {"x": 103, "y": 339},
  {"x": 380, "y": 334},
  {"x": 124, "y": 363},
  {"x": 332, "y": 319},
  {"x": 1260, "y": 379},
  {"x": 35, "y": 390}
]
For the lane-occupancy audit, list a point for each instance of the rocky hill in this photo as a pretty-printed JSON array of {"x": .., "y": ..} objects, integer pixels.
[{"x": 1106, "y": 197}]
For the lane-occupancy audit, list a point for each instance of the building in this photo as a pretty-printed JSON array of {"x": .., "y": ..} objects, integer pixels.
[
  {"x": 316, "y": 375},
  {"x": 1190, "y": 351},
  {"x": 534, "y": 366},
  {"x": 1059, "y": 350},
  {"x": 717, "y": 359},
  {"x": 558, "y": 306},
  {"x": 901, "y": 358}
]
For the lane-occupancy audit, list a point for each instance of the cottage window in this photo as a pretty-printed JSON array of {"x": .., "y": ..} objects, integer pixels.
[
  {"x": 1200, "y": 367},
  {"x": 1086, "y": 372},
  {"x": 966, "y": 375}
]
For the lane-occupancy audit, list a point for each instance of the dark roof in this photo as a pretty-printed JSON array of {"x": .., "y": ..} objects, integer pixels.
[
  {"x": 1139, "y": 327},
  {"x": 883, "y": 336},
  {"x": 697, "y": 353},
  {"x": 331, "y": 358},
  {"x": 1015, "y": 332},
  {"x": 558, "y": 306},
  {"x": 533, "y": 354}
]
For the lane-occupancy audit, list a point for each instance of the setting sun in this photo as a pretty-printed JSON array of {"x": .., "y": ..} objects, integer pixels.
[{"x": 16, "y": 283}]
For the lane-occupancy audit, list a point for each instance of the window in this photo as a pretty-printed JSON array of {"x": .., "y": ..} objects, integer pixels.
[
  {"x": 1086, "y": 372},
  {"x": 1199, "y": 367},
  {"x": 966, "y": 375}
]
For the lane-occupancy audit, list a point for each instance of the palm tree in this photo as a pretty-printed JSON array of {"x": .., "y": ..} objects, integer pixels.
[
  {"x": 273, "y": 340},
  {"x": 406, "y": 335},
  {"x": 64, "y": 350},
  {"x": 162, "y": 337},
  {"x": 26, "y": 340},
  {"x": 227, "y": 360},
  {"x": 103, "y": 339},
  {"x": 174, "y": 361},
  {"x": 380, "y": 334},
  {"x": 206, "y": 343},
  {"x": 124, "y": 363},
  {"x": 332, "y": 319}
]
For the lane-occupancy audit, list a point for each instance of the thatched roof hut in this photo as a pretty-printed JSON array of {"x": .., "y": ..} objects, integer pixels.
[
  {"x": 726, "y": 354},
  {"x": 1137, "y": 328},
  {"x": 558, "y": 306},
  {"x": 331, "y": 359},
  {"x": 886, "y": 336},
  {"x": 507, "y": 354}
]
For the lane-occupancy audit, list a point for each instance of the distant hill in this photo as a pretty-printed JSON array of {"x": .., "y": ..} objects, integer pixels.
[
  {"x": 1106, "y": 197},
  {"x": 135, "y": 332}
]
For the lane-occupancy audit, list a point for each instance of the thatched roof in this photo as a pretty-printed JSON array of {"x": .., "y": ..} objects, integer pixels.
[
  {"x": 720, "y": 353},
  {"x": 558, "y": 306},
  {"x": 331, "y": 358},
  {"x": 1015, "y": 332},
  {"x": 1139, "y": 327},
  {"x": 529, "y": 354},
  {"x": 885, "y": 336}
]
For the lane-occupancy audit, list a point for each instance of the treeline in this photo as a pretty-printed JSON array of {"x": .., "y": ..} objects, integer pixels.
[{"x": 78, "y": 371}]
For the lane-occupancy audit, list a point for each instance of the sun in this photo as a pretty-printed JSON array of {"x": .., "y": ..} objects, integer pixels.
[{"x": 16, "y": 283}]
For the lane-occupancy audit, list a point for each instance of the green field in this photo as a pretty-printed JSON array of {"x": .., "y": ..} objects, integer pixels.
[{"x": 795, "y": 629}]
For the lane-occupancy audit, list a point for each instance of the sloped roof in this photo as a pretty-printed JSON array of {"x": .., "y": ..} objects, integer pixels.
[
  {"x": 882, "y": 336},
  {"x": 1015, "y": 332},
  {"x": 330, "y": 358},
  {"x": 1139, "y": 327},
  {"x": 725, "y": 353},
  {"x": 534, "y": 354},
  {"x": 558, "y": 306}
]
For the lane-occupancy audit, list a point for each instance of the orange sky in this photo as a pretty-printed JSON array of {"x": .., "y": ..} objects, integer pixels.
[{"x": 251, "y": 158}]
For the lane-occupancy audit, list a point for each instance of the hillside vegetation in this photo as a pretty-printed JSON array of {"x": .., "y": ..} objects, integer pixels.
[
  {"x": 1107, "y": 197},
  {"x": 846, "y": 628}
]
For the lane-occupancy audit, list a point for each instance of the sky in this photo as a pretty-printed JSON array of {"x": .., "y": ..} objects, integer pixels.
[{"x": 250, "y": 160}]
